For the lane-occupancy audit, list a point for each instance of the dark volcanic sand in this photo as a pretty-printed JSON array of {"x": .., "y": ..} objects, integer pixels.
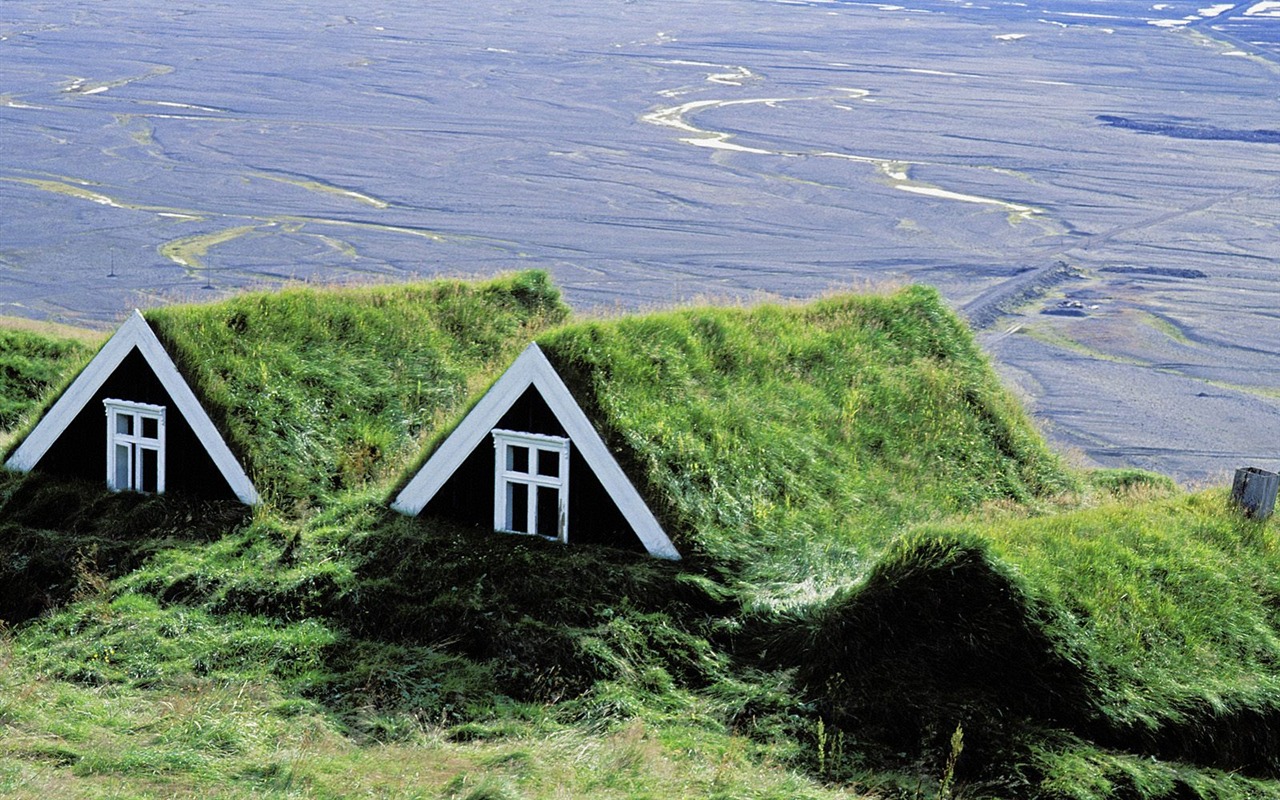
[{"x": 1098, "y": 193}]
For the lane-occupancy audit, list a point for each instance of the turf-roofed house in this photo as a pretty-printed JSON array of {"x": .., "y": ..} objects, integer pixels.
[
  {"x": 740, "y": 434},
  {"x": 286, "y": 397},
  {"x": 529, "y": 460},
  {"x": 131, "y": 418}
]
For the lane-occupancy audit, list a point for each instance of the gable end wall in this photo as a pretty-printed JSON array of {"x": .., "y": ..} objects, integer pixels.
[
  {"x": 467, "y": 496},
  {"x": 80, "y": 452}
]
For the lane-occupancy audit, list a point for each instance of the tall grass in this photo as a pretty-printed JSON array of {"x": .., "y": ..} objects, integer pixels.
[
  {"x": 1176, "y": 600},
  {"x": 1147, "y": 628},
  {"x": 31, "y": 364},
  {"x": 55, "y": 534}
]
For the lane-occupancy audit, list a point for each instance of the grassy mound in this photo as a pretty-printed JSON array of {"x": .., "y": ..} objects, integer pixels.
[
  {"x": 518, "y": 618},
  {"x": 1146, "y": 630},
  {"x": 942, "y": 635},
  {"x": 1176, "y": 600},
  {"x": 60, "y": 540}
]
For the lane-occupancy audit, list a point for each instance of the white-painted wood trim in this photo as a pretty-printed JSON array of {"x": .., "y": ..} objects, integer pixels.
[
  {"x": 562, "y": 505},
  {"x": 533, "y": 369},
  {"x": 135, "y": 332},
  {"x": 499, "y": 487}
]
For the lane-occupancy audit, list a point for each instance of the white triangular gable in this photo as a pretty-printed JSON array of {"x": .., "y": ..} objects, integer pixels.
[
  {"x": 533, "y": 369},
  {"x": 133, "y": 333}
]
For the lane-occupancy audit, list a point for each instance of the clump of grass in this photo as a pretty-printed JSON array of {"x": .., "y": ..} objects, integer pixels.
[
  {"x": 1133, "y": 483},
  {"x": 436, "y": 620},
  {"x": 1063, "y": 767},
  {"x": 58, "y": 536},
  {"x": 1148, "y": 628},
  {"x": 941, "y": 634},
  {"x": 1175, "y": 600},
  {"x": 128, "y": 639},
  {"x": 548, "y": 622}
]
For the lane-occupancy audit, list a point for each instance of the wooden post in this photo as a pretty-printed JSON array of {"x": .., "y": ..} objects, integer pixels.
[{"x": 1254, "y": 491}]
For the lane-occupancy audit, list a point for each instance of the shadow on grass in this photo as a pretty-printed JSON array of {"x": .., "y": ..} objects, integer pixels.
[{"x": 60, "y": 539}]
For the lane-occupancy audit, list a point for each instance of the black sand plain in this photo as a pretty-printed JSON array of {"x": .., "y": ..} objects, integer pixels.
[{"x": 1094, "y": 184}]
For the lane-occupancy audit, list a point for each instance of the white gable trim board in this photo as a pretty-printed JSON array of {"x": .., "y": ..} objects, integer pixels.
[
  {"x": 133, "y": 333},
  {"x": 533, "y": 369}
]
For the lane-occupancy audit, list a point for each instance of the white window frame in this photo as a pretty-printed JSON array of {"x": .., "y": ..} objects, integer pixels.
[
  {"x": 531, "y": 481},
  {"x": 135, "y": 442}
]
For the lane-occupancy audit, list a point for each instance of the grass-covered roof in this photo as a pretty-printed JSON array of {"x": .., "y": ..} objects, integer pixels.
[
  {"x": 32, "y": 362},
  {"x": 786, "y": 430},
  {"x": 320, "y": 391},
  {"x": 881, "y": 557}
]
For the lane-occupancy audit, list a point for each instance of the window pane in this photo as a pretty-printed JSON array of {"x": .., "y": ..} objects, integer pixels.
[
  {"x": 549, "y": 463},
  {"x": 548, "y": 520},
  {"x": 124, "y": 424},
  {"x": 124, "y": 467},
  {"x": 517, "y": 458},
  {"x": 150, "y": 428},
  {"x": 517, "y": 507},
  {"x": 150, "y": 468}
]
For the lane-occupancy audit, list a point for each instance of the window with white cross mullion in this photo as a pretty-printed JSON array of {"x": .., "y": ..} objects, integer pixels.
[
  {"x": 531, "y": 484},
  {"x": 135, "y": 446}
]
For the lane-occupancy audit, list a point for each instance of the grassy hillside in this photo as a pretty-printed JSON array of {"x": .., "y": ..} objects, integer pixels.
[{"x": 891, "y": 587}]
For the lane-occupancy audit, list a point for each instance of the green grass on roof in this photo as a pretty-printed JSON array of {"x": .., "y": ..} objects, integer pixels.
[
  {"x": 320, "y": 391},
  {"x": 763, "y": 432},
  {"x": 872, "y": 570},
  {"x": 31, "y": 364}
]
